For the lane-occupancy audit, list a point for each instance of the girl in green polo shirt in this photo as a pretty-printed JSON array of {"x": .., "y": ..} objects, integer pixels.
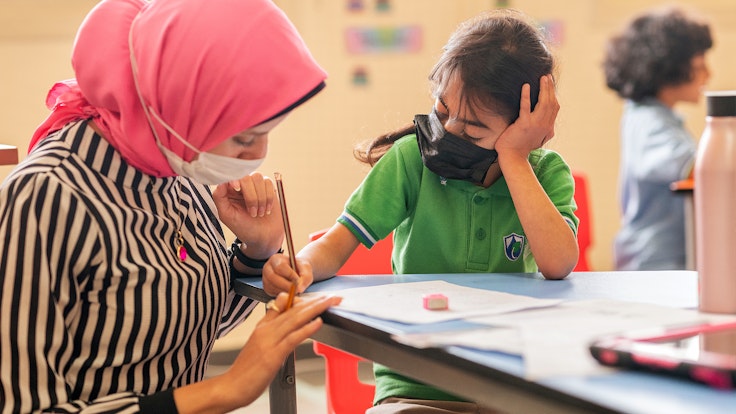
[{"x": 465, "y": 188}]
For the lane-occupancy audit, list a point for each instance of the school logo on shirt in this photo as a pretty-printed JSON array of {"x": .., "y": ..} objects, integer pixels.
[{"x": 513, "y": 246}]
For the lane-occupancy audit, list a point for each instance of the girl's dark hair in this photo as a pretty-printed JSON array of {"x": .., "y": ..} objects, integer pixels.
[
  {"x": 494, "y": 55},
  {"x": 655, "y": 50}
]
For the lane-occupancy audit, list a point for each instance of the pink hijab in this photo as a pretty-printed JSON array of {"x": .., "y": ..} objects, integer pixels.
[{"x": 210, "y": 69}]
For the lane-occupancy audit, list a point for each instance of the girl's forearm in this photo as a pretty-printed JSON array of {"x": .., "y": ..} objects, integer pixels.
[
  {"x": 550, "y": 238},
  {"x": 329, "y": 253}
]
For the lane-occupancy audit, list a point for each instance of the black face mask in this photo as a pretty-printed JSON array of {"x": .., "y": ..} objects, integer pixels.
[{"x": 450, "y": 156}]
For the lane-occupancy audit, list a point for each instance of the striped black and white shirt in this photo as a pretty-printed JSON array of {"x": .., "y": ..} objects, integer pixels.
[{"x": 97, "y": 313}]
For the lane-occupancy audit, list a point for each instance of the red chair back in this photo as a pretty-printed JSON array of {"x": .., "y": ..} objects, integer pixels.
[
  {"x": 376, "y": 261},
  {"x": 585, "y": 233}
]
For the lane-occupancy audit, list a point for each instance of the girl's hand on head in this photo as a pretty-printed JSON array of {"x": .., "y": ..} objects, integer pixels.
[
  {"x": 278, "y": 275},
  {"x": 249, "y": 209},
  {"x": 533, "y": 128}
]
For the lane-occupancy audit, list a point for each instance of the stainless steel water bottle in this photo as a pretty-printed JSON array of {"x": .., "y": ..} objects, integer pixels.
[{"x": 715, "y": 205}]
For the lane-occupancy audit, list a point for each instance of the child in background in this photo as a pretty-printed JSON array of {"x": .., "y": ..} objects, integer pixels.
[
  {"x": 656, "y": 62},
  {"x": 466, "y": 188}
]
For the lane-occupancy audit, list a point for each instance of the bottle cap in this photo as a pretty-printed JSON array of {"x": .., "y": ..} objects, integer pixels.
[{"x": 721, "y": 103}]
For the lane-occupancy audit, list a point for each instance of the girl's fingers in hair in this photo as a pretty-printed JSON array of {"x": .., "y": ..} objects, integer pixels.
[
  {"x": 525, "y": 106},
  {"x": 551, "y": 93},
  {"x": 547, "y": 104}
]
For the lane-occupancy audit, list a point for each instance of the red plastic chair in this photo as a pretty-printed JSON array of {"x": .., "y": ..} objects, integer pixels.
[
  {"x": 585, "y": 233},
  {"x": 346, "y": 394}
]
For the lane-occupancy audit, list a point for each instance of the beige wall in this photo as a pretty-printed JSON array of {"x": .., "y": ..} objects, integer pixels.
[{"x": 313, "y": 148}]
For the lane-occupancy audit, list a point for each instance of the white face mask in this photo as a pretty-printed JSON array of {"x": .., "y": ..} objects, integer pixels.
[{"x": 211, "y": 169}]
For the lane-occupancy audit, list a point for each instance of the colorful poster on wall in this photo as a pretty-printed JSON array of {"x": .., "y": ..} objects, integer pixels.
[{"x": 403, "y": 39}]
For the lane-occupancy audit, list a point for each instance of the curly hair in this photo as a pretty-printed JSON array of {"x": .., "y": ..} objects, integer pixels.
[
  {"x": 494, "y": 54},
  {"x": 654, "y": 51}
]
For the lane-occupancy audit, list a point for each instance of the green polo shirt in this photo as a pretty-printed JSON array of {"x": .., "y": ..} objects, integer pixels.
[{"x": 446, "y": 226}]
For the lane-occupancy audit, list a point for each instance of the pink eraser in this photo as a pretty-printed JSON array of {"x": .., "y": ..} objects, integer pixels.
[{"x": 435, "y": 301}]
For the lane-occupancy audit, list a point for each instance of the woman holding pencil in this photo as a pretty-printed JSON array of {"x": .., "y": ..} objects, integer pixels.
[{"x": 116, "y": 274}]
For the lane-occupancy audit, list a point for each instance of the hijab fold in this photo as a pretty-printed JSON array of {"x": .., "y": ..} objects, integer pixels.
[{"x": 210, "y": 69}]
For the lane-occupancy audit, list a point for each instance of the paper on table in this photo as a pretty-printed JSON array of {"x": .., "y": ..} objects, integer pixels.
[
  {"x": 554, "y": 341},
  {"x": 402, "y": 302}
]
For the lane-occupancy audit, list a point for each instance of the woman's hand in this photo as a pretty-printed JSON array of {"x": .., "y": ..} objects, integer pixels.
[
  {"x": 272, "y": 340},
  {"x": 278, "y": 275},
  {"x": 533, "y": 128},
  {"x": 249, "y": 209}
]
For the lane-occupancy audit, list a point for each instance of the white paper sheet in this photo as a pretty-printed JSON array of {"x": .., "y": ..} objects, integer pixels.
[
  {"x": 402, "y": 302},
  {"x": 554, "y": 341}
]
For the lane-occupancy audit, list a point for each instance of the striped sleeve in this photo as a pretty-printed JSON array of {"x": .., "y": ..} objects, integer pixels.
[{"x": 42, "y": 225}]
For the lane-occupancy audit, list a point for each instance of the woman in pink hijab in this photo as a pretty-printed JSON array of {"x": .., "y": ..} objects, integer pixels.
[{"x": 116, "y": 277}]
